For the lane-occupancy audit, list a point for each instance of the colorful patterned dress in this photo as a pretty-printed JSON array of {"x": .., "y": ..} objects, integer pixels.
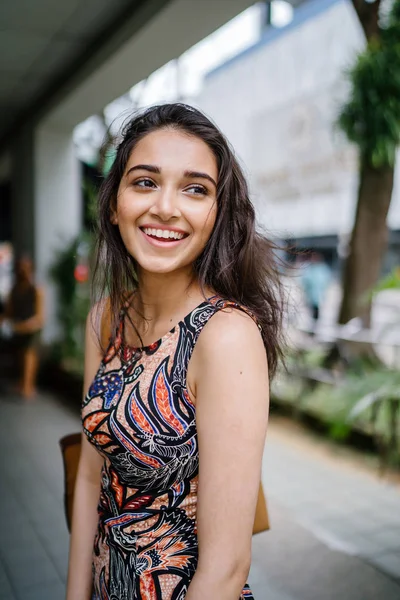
[{"x": 139, "y": 416}]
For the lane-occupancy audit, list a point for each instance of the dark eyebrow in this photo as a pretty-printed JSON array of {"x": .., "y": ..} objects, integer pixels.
[
  {"x": 157, "y": 170},
  {"x": 150, "y": 168},
  {"x": 199, "y": 175}
]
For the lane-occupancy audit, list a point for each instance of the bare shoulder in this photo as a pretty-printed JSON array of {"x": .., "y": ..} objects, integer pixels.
[
  {"x": 228, "y": 330},
  {"x": 93, "y": 350},
  {"x": 229, "y": 358},
  {"x": 39, "y": 291},
  {"x": 95, "y": 320},
  {"x": 98, "y": 312},
  {"x": 100, "y": 307},
  {"x": 229, "y": 345}
]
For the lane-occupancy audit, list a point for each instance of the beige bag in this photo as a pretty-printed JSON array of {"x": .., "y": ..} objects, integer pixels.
[
  {"x": 71, "y": 451},
  {"x": 261, "y": 521}
]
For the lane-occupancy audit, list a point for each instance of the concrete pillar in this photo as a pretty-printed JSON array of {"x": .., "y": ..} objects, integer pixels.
[
  {"x": 57, "y": 209},
  {"x": 22, "y": 192}
]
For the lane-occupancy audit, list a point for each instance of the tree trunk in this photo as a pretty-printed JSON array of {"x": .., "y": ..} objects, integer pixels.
[
  {"x": 368, "y": 13},
  {"x": 368, "y": 242}
]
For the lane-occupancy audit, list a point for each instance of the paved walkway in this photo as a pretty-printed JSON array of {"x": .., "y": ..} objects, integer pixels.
[
  {"x": 335, "y": 495},
  {"x": 323, "y": 513}
]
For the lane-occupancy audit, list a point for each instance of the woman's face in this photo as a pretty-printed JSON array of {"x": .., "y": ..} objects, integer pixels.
[
  {"x": 24, "y": 269},
  {"x": 167, "y": 201}
]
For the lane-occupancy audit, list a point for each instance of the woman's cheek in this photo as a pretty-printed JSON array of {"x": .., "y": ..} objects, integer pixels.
[
  {"x": 209, "y": 225},
  {"x": 124, "y": 209}
]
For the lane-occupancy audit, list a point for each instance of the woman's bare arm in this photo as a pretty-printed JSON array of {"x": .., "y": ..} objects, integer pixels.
[
  {"x": 228, "y": 375},
  {"x": 87, "y": 490}
]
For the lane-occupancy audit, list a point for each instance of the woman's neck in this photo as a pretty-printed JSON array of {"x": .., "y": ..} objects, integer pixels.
[
  {"x": 24, "y": 282},
  {"x": 162, "y": 296}
]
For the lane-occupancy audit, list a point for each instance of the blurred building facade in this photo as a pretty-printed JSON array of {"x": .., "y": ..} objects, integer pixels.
[
  {"x": 277, "y": 103},
  {"x": 62, "y": 62}
]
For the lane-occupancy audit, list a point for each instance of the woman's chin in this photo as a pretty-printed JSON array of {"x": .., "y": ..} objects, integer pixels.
[{"x": 159, "y": 267}]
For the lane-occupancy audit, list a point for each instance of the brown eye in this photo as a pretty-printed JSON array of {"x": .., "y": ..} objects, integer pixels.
[
  {"x": 198, "y": 190},
  {"x": 144, "y": 183}
]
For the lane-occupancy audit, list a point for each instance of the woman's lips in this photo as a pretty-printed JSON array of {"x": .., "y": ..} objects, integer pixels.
[{"x": 162, "y": 242}]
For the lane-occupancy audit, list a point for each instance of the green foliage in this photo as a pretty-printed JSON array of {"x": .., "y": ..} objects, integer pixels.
[
  {"x": 342, "y": 407},
  {"x": 90, "y": 191},
  {"x": 371, "y": 117},
  {"x": 385, "y": 401},
  {"x": 390, "y": 282},
  {"x": 339, "y": 431},
  {"x": 73, "y": 299},
  {"x": 62, "y": 273}
]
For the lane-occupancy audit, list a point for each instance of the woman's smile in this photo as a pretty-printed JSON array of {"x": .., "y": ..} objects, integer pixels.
[{"x": 163, "y": 237}]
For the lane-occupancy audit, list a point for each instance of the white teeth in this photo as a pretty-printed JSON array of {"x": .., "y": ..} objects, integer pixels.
[{"x": 164, "y": 234}]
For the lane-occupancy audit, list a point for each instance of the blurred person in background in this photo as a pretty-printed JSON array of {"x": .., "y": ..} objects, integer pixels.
[
  {"x": 315, "y": 279},
  {"x": 25, "y": 310},
  {"x": 176, "y": 403}
]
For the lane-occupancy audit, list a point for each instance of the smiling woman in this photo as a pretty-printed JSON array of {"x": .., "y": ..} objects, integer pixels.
[
  {"x": 176, "y": 403},
  {"x": 168, "y": 188}
]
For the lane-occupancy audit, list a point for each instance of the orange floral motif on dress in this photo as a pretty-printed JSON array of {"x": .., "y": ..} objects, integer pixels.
[
  {"x": 93, "y": 420},
  {"x": 144, "y": 458},
  {"x": 117, "y": 488},
  {"x": 102, "y": 439},
  {"x": 136, "y": 503},
  {"x": 147, "y": 587},
  {"x": 162, "y": 401},
  {"x": 137, "y": 415}
]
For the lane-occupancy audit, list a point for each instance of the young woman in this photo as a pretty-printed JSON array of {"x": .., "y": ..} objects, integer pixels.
[
  {"x": 25, "y": 309},
  {"x": 174, "y": 418}
]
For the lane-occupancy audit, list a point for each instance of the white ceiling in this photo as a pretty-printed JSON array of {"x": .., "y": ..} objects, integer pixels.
[
  {"x": 66, "y": 59},
  {"x": 173, "y": 29},
  {"x": 42, "y": 39}
]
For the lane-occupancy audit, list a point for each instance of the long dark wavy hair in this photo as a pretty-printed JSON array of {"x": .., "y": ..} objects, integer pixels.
[{"x": 238, "y": 262}]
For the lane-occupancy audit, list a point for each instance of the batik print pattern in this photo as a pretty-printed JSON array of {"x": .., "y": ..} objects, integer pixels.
[{"x": 139, "y": 416}]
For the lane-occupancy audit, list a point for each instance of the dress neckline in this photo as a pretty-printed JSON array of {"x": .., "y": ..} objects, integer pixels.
[{"x": 157, "y": 343}]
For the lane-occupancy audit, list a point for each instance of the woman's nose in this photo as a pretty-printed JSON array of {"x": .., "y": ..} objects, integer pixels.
[{"x": 166, "y": 205}]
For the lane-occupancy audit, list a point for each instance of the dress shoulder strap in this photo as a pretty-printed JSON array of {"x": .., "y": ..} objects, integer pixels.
[
  {"x": 224, "y": 304},
  {"x": 106, "y": 326},
  {"x": 200, "y": 316},
  {"x": 192, "y": 326}
]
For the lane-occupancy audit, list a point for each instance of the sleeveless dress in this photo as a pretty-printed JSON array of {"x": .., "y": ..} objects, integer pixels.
[
  {"x": 23, "y": 307},
  {"x": 139, "y": 416}
]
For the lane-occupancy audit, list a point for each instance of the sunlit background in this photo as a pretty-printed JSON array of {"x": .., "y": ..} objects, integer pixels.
[{"x": 308, "y": 93}]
